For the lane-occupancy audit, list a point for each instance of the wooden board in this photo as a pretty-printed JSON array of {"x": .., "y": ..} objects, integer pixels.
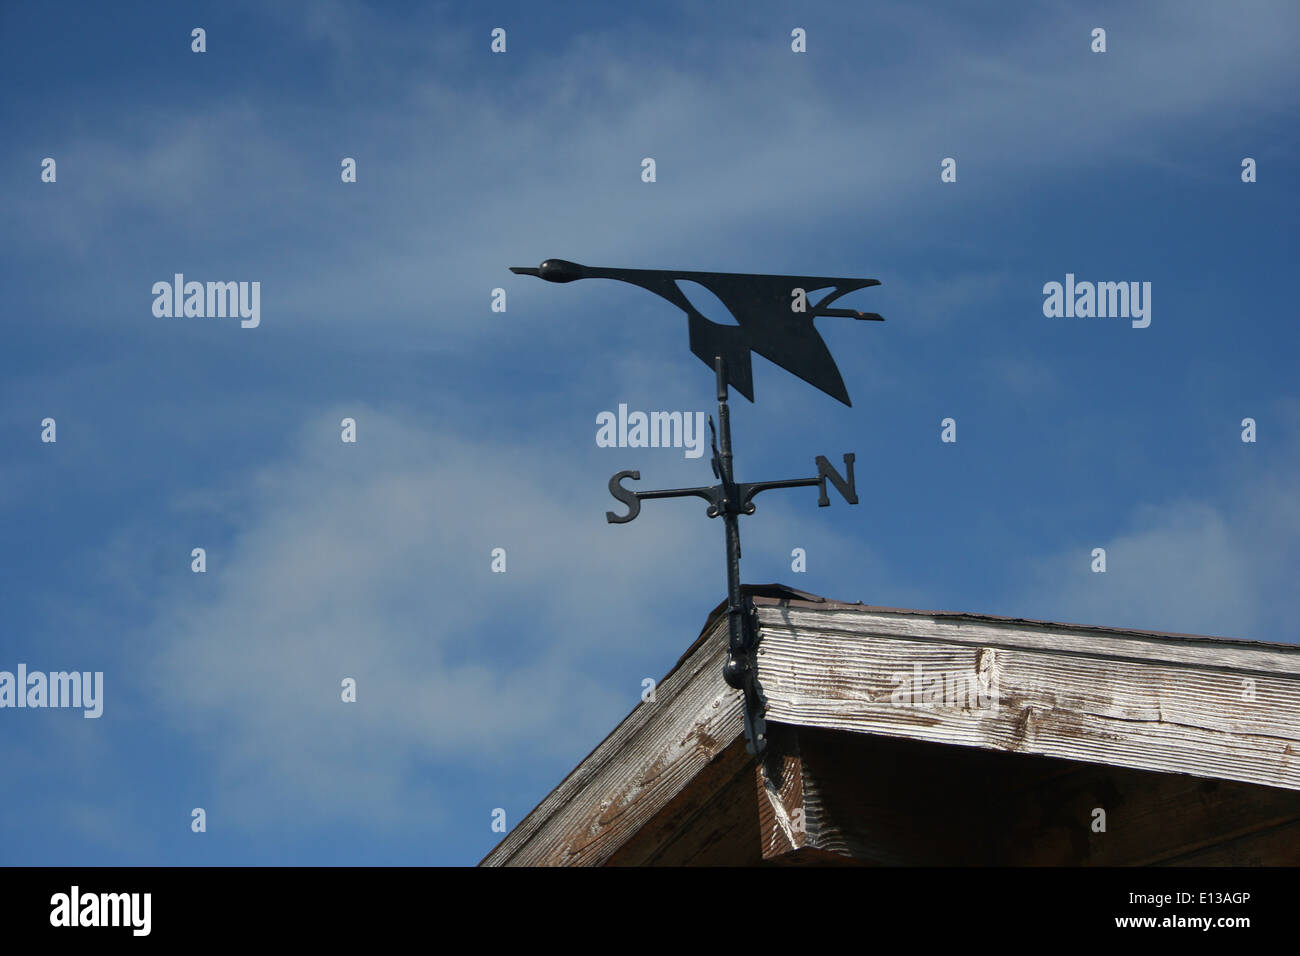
[
  {"x": 713, "y": 822},
  {"x": 636, "y": 771},
  {"x": 1177, "y": 705},
  {"x": 1191, "y": 746}
]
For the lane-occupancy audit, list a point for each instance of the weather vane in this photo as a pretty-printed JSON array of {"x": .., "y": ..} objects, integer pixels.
[{"x": 773, "y": 320}]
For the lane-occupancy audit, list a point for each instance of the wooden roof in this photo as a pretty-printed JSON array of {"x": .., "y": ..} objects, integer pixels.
[{"x": 842, "y": 679}]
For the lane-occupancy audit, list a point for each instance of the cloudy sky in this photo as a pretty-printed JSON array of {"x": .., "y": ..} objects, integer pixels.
[{"x": 476, "y": 429}]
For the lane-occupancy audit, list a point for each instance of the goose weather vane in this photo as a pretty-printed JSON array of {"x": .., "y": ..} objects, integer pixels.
[{"x": 775, "y": 320}]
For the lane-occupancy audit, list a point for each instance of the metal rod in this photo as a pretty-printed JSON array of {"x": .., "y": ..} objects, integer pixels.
[
  {"x": 737, "y": 642},
  {"x": 705, "y": 493}
]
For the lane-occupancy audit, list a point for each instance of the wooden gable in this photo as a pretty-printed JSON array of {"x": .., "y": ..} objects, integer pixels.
[{"x": 904, "y": 737}]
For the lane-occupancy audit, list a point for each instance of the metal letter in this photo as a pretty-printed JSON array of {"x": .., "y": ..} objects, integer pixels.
[
  {"x": 848, "y": 489},
  {"x": 625, "y": 495}
]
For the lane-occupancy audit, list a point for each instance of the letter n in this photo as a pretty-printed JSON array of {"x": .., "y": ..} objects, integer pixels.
[{"x": 848, "y": 489}]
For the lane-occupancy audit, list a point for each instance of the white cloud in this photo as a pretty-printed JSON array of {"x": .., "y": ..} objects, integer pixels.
[
  {"x": 1224, "y": 568},
  {"x": 468, "y": 177},
  {"x": 372, "y": 561},
  {"x": 1178, "y": 568}
]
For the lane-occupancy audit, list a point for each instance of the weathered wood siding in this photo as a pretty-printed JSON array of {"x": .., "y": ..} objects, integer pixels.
[
  {"x": 1043, "y": 724},
  {"x": 1225, "y": 709},
  {"x": 636, "y": 771}
]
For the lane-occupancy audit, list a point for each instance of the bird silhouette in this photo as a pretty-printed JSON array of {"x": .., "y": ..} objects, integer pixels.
[{"x": 762, "y": 306}]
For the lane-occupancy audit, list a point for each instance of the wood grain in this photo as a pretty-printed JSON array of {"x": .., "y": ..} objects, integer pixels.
[
  {"x": 1138, "y": 702},
  {"x": 636, "y": 771}
]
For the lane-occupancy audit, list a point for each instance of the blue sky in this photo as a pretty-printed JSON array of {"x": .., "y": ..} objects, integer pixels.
[{"x": 476, "y": 429}]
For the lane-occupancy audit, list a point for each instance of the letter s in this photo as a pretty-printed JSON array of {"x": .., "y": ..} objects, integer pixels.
[{"x": 625, "y": 495}]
